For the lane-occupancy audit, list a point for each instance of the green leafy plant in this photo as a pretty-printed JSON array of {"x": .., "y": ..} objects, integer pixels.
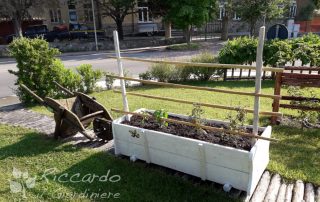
[
  {"x": 277, "y": 53},
  {"x": 110, "y": 80},
  {"x": 201, "y": 73},
  {"x": 159, "y": 115},
  {"x": 236, "y": 123},
  {"x": 164, "y": 72},
  {"x": 196, "y": 118},
  {"x": 305, "y": 117},
  {"x": 145, "y": 75},
  {"x": 89, "y": 77},
  {"x": 145, "y": 117},
  {"x": 38, "y": 67},
  {"x": 241, "y": 50}
]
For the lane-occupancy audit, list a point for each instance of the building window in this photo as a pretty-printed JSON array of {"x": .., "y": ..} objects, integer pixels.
[
  {"x": 55, "y": 15},
  {"x": 73, "y": 18},
  {"x": 293, "y": 10},
  {"x": 88, "y": 14},
  {"x": 144, "y": 14},
  {"x": 222, "y": 11}
]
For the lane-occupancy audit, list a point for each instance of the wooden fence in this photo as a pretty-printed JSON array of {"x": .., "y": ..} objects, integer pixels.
[
  {"x": 257, "y": 94},
  {"x": 295, "y": 76}
]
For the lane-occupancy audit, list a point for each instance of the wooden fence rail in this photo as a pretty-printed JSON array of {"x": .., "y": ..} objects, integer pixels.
[
  {"x": 195, "y": 87},
  {"x": 294, "y": 79},
  {"x": 200, "y": 103},
  {"x": 210, "y": 128}
]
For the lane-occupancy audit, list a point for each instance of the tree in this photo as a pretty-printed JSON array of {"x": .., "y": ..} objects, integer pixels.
[
  {"x": 19, "y": 10},
  {"x": 185, "y": 13},
  {"x": 251, "y": 11},
  {"x": 117, "y": 10},
  {"x": 228, "y": 12},
  {"x": 160, "y": 8}
]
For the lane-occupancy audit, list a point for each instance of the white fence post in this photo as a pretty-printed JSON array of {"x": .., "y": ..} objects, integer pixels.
[
  {"x": 120, "y": 68},
  {"x": 259, "y": 64}
]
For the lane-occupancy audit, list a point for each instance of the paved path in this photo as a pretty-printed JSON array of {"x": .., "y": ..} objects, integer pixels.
[{"x": 271, "y": 188}]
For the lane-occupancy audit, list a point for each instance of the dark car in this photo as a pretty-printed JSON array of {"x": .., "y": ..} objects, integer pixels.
[
  {"x": 79, "y": 31},
  {"x": 34, "y": 32}
]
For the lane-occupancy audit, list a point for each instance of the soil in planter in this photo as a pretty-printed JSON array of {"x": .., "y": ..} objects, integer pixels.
[{"x": 191, "y": 132}]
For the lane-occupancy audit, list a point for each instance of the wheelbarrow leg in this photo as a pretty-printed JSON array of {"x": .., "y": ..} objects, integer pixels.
[{"x": 58, "y": 119}]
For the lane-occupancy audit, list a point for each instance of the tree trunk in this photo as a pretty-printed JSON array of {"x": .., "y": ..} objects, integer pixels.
[
  {"x": 167, "y": 25},
  {"x": 252, "y": 29},
  {"x": 225, "y": 28},
  {"x": 120, "y": 29},
  {"x": 17, "y": 27},
  {"x": 188, "y": 35}
]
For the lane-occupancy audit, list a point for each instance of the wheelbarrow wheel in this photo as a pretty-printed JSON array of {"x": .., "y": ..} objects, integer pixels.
[{"x": 103, "y": 128}]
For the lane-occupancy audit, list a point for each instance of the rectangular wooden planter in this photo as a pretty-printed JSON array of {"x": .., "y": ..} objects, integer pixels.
[{"x": 225, "y": 165}]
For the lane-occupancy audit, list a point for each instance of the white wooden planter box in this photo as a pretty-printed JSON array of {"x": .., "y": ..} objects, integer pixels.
[{"x": 239, "y": 168}]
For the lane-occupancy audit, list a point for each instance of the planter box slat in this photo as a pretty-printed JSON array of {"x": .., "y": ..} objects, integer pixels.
[
  {"x": 179, "y": 145},
  {"x": 239, "y": 168}
]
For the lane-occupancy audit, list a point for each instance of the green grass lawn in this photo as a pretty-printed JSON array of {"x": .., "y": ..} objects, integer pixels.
[
  {"x": 295, "y": 157},
  {"x": 48, "y": 159}
]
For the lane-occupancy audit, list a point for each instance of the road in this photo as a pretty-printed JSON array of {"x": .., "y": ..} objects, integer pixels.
[{"x": 98, "y": 61}]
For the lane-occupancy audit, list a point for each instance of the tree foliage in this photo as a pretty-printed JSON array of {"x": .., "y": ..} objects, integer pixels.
[
  {"x": 117, "y": 10},
  {"x": 253, "y": 10},
  {"x": 185, "y": 13},
  {"x": 19, "y": 10}
]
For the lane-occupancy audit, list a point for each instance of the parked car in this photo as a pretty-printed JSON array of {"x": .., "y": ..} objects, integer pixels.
[
  {"x": 79, "y": 31},
  {"x": 33, "y": 32}
]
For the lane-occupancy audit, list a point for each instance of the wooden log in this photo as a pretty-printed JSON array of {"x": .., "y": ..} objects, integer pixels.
[
  {"x": 262, "y": 188},
  {"x": 309, "y": 193},
  {"x": 282, "y": 193},
  {"x": 210, "y": 128},
  {"x": 200, "y": 103},
  {"x": 192, "y": 64},
  {"x": 317, "y": 198},
  {"x": 273, "y": 189},
  {"x": 195, "y": 87},
  {"x": 289, "y": 191},
  {"x": 298, "y": 191}
]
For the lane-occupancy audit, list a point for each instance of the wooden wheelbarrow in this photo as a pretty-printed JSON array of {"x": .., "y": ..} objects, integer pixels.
[{"x": 75, "y": 114}]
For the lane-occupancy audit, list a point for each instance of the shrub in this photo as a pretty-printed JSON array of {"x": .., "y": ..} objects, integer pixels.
[
  {"x": 307, "y": 49},
  {"x": 184, "y": 47},
  {"x": 38, "y": 68},
  {"x": 89, "y": 77},
  {"x": 164, "y": 72},
  {"x": 240, "y": 50},
  {"x": 202, "y": 73},
  {"x": 277, "y": 52}
]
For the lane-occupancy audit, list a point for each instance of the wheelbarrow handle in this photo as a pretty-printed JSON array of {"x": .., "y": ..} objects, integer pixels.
[
  {"x": 63, "y": 89},
  {"x": 39, "y": 99}
]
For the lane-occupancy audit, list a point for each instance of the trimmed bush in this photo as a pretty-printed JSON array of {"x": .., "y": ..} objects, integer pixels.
[
  {"x": 165, "y": 72},
  {"x": 89, "y": 77},
  {"x": 201, "y": 73},
  {"x": 277, "y": 52},
  {"x": 38, "y": 68},
  {"x": 240, "y": 50}
]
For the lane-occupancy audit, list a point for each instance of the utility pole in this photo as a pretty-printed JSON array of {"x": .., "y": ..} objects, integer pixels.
[{"x": 94, "y": 26}]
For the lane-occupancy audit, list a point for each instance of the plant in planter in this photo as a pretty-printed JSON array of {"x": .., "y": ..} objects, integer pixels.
[
  {"x": 237, "y": 122},
  {"x": 196, "y": 118},
  {"x": 205, "y": 156},
  {"x": 159, "y": 115}
]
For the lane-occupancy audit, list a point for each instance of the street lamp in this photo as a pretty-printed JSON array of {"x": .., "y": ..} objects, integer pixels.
[{"x": 94, "y": 26}]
